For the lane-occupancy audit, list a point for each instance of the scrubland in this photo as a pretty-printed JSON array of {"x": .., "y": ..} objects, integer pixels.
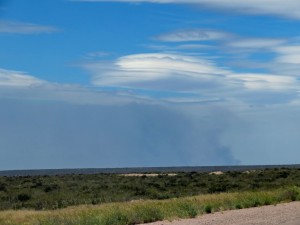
[{"x": 115, "y": 199}]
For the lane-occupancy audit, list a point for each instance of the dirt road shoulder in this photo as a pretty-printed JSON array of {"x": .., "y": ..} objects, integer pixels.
[{"x": 281, "y": 214}]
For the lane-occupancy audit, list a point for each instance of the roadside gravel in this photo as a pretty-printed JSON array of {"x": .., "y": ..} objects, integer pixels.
[{"x": 281, "y": 214}]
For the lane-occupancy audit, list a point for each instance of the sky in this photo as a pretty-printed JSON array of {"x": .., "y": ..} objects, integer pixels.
[{"x": 139, "y": 83}]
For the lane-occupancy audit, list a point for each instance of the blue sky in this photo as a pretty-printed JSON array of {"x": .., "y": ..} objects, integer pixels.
[{"x": 95, "y": 83}]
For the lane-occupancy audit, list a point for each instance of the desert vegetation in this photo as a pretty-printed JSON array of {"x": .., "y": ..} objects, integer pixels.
[
  {"x": 118, "y": 199},
  {"x": 144, "y": 211}
]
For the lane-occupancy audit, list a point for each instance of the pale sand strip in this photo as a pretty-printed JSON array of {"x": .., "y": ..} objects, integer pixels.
[{"x": 147, "y": 174}]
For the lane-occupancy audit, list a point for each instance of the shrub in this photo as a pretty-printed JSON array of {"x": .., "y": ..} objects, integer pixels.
[
  {"x": 3, "y": 187},
  {"x": 23, "y": 197},
  {"x": 238, "y": 206},
  {"x": 208, "y": 209},
  {"x": 292, "y": 194}
]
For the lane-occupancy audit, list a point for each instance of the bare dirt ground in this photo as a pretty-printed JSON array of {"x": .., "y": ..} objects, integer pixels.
[{"x": 281, "y": 214}]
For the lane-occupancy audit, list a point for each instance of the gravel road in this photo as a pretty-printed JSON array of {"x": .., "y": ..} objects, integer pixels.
[{"x": 281, "y": 214}]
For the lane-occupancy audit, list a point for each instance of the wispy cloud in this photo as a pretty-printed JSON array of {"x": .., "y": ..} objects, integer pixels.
[
  {"x": 18, "y": 79},
  {"x": 191, "y": 47},
  {"x": 172, "y": 77},
  {"x": 256, "y": 43},
  {"x": 229, "y": 40},
  {"x": 192, "y": 74},
  {"x": 14, "y": 27},
  {"x": 287, "y": 8},
  {"x": 283, "y": 58},
  {"x": 265, "y": 55},
  {"x": 266, "y": 81},
  {"x": 20, "y": 85},
  {"x": 288, "y": 54},
  {"x": 193, "y": 35}
]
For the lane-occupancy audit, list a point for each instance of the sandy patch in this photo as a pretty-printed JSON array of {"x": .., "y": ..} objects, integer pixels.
[
  {"x": 216, "y": 173},
  {"x": 147, "y": 174}
]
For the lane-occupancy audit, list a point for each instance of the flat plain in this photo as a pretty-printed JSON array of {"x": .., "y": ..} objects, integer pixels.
[{"x": 134, "y": 198}]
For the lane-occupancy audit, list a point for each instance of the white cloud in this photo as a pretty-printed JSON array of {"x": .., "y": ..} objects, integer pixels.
[
  {"x": 160, "y": 62},
  {"x": 192, "y": 47},
  {"x": 256, "y": 81},
  {"x": 192, "y": 35},
  {"x": 295, "y": 49},
  {"x": 290, "y": 58},
  {"x": 200, "y": 77},
  {"x": 20, "y": 85},
  {"x": 140, "y": 68},
  {"x": 287, "y": 8},
  {"x": 24, "y": 28},
  {"x": 18, "y": 79},
  {"x": 153, "y": 77},
  {"x": 181, "y": 47},
  {"x": 288, "y": 54},
  {"x": 282, "y": 56},
  {"x": 256, "y": 43}
]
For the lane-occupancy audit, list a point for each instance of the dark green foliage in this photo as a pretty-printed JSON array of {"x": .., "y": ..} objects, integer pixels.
[
  {"x": 238, "y": 206},
  {"x": 292, "y": 194},
  {"x": 23, "y": 197},
  {"x": 53, "y": 192},
  {"x": 2, "y": 187},
  {"x": 208, "y": 209}
]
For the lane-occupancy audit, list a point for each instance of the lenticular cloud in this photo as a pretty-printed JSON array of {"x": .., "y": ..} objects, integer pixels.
[{"x": 138, "y": 68}]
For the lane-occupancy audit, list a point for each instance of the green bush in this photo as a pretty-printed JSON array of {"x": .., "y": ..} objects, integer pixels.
[
  {"x": 208, "y": 209},
  {"x": 238, "y": 206},
  {"x": 23, "y": 197},
  {"x": 292, "y": 194}
]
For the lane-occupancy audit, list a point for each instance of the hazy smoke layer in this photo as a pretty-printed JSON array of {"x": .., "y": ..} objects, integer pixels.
[{"x": 51, "y": 135}]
